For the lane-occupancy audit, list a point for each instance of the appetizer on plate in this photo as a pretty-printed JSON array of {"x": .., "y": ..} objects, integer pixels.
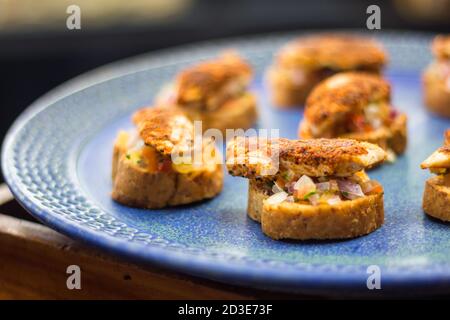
[
  {"x": 153, "y": 167},
  {"x": 436, "y": 78},
  {"x": 306, "y": 61},
  {"x": 436, "y": 196},
  {"x": 355, "y": 105},
  {"x": 215, "y": 92},
  {"x": 319, "y": 190}
]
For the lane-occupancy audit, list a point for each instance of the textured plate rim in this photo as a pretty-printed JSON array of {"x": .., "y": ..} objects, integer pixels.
[{"x": 295, "y": 280}]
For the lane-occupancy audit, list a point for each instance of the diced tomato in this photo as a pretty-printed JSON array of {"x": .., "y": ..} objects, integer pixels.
[
  {"x": 165, "y": 165},
  {"x": 360, "y": 124},
  {"x": 393, "y": 114}
]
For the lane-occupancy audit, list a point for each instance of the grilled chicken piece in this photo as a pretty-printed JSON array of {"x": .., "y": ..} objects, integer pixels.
[
  {"x": 440, "y": 159},
  {"x": 348, "y": 102},
  {"x": 164, "y": 128},
  {"x": 333, "y": 51},
  {"x": 209, "y": 84},
  {"x": 252, "y": 157}
]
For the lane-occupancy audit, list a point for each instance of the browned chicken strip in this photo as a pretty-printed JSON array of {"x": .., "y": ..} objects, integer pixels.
[
  {"x": 164, "y": 128},
  {"x": 251, "y": 157},
  {"x": 440, "y": 159}
]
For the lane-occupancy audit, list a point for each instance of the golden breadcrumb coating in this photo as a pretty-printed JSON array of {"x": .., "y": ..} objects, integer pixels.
[
  {"x": 315, "y": 157},
  {"x": 344, "y": 93},
  {"x": 335, "y": 51},
  {"x": 202, "y": 83},
  {"x": 440, "y": 159},
  {"x": 163, "y": 128}
]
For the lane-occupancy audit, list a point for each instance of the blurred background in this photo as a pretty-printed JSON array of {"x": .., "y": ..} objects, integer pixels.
[{"x": 38, "y": 52}]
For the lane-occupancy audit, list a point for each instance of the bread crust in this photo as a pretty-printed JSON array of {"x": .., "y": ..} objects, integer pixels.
[
  {"x": 348, "y": 219},
  {"x": 436, "y": 95},
  {"x": 135, "y": 187},
  {"x": 238, "y": 113},
  {"x": 436, "y": 198},
  {"x": 284, "y": 93},
  {"x": 256, "y": 197}
]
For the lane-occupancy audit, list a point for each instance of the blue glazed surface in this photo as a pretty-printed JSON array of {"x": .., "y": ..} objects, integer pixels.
[{"x": 56, "y": 159}]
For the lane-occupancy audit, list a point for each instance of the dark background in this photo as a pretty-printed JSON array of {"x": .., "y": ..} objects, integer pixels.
[{"x": 38, "y": 56}]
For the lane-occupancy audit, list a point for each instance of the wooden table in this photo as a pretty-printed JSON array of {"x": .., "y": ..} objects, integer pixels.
[{"x": 34, "y": 260}]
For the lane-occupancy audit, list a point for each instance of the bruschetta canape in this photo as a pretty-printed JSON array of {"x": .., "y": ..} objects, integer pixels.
[
  {"x": 215, "y": 92},
  {"x": 436, "y": 196},
  {"x": 144, "y": 172},
  {"x": 306, "y": 61},
  {"x": 319, "y": 190},
  {"x": 355, "y": 105},
  {"x": 436, "y": 78}
]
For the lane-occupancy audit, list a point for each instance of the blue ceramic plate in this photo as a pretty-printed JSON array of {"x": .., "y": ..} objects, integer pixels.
[{"x": 57, "y": 158}]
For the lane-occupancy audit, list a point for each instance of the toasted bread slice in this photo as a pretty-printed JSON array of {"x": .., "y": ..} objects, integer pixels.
[
  {"x": 141, "y": 188},
  {"x": 315, "y": 157},
  {"x": 354, "y": 105},
  {"x": 238, "y": 113},
  {"x": 143, "y": 173},
  {"x": 215, "y": 92},
  {"x": 436, "y": 197},
  {"x": 206, "y": 83},
  {"x": 285, "y": 92},
  {"x": 436, "y": 91},
  {"x": 256, "y": 197},
  {"x": 347, "y": 219},
  {"x": 304, "y": 62}
]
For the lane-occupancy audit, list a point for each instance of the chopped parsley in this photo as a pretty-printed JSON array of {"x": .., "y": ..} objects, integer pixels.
[{"x": 306, "y": 196}]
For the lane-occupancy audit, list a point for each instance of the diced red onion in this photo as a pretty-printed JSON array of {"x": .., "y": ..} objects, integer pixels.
[
  {"x": 276, "y": 188},
  {"x": 314, "y": 199},
  {"x": 349, "y": 189},
  {"x": 290, "y": 187},
  {"x": 393, "y": 113},
  {"x": 277, "y": 198},
  {"x": 335, "y": 199},
  {"x": 323, "y": 186},
  {"x": 290, "y": 199}
]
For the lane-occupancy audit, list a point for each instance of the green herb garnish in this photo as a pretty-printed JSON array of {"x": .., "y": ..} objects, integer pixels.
[
  {"x": 128, "y": 156},
  {"x": 305, "y": 197}
]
